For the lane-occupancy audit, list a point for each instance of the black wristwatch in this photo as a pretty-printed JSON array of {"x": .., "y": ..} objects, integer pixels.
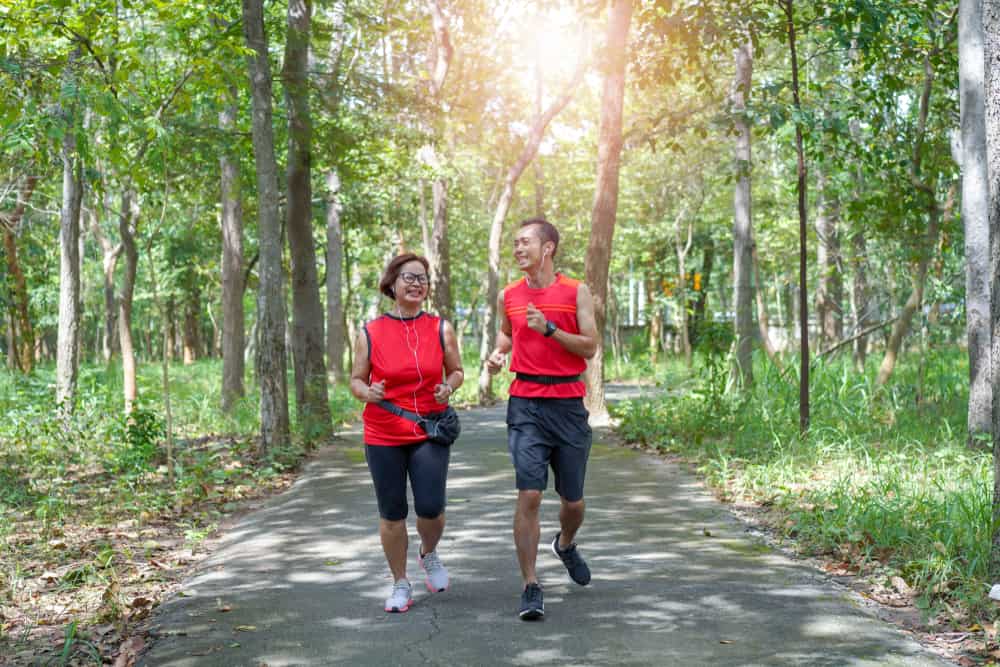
[{"x": 550, "y": 328}]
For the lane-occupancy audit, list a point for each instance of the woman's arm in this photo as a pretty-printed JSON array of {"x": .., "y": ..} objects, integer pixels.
[
  {"x": 361, "y": 374},
  {"x": 454, "y": 374}
]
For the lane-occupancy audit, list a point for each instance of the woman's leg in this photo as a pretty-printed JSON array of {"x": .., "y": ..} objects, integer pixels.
[
  {"x": 388, "y": 469},
  {"x": 428, "y": 478}
]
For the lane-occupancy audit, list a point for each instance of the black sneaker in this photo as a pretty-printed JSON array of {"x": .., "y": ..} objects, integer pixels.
[
  {"x": 532, "y": 607},
  {"x": 571, "y": 558}
]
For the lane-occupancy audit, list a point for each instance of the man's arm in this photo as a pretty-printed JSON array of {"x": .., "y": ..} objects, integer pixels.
[
  {"x": 583, "y": 344},
  {"x": 504, "y": 343}
]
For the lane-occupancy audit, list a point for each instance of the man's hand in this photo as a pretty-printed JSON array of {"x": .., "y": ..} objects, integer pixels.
[
  {"x": 536, "y": 319},
  {"x": 495, "y": 362},
  {"x": 442, "y": 392},
  {"x": 376, "y": 392}
]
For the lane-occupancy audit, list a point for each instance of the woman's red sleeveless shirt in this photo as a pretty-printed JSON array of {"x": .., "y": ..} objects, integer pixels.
[
  {"x": 409, "y": 355},
  {"x": 535, "y": 354}
]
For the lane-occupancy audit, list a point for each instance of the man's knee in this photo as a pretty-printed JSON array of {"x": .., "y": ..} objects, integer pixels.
[
  {"x": 529, "y": 501},
  {"x": 574, "y": 506}
]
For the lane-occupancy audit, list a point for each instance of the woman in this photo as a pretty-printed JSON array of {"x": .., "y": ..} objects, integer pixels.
[{"x": 400, "y": 359}]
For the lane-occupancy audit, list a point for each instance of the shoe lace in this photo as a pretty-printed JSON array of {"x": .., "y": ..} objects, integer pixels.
[
  {"x": 431, "y": 561},
  {"x": 401, "y": 589}
]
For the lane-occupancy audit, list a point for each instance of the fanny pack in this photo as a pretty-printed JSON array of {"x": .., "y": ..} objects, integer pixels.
[
  {"x": 442, "y": 428},
  {"x": 548, "y": 379}
]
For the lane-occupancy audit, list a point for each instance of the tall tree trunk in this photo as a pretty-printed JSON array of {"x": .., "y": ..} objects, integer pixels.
[
  {"x": 919, "y": 280},
  {"x": 26, "y": 337},
  {"x": 127, "y": 220},
  {"x": 681, "y": 249},
  {"x": 528, "y": 152},
  {"x": 975, "y": 212},
  {"x": 335, "y": 333},
  {"x": 109, "y": 262},
  {"x": 803, "y": 226},
  {"x": 700, "y": 304},
  {"x": 233, "y": 326},
  {"x": 605, "y": 209},
  {"x": 860, "y": 289},
  {"x": 829, "y": 294},
  {"x": 271, "y": 362},
  {"x": 441, "y": 254},
  {"x": 655, "y": 322},
  {"x": 763, "y": 321},
  {"x": 742, "y": 220},
  {"x": 311, "y": 398},
  {"x": 926, "y": 249},
  {"x": 192, "y": 339},
  {"x": 67, "y": 347},
  {"x": 991, "y": 46}
]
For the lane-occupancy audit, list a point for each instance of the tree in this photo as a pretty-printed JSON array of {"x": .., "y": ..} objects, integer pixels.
[
  {"x": 742, "y": 219},
  {"x": 25, "y": 343},
  {"x": 605, "y": 209},
  {"x": 271, "y": 363},
  {"x": 991, "y": 51},
  {"x": 975, "y": 213},
  {"x": 231, "y": 224},
  {"x": 311, "y": 398}
]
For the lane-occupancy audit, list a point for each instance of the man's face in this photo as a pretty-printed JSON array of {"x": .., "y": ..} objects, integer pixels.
[{"x": 529, "y": 251}]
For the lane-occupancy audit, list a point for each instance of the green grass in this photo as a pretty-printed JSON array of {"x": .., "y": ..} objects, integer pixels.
[{"x": 883, "y": 480}]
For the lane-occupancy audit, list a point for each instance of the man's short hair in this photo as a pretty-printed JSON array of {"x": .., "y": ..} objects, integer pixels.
[{"x": 546, "y": 231}]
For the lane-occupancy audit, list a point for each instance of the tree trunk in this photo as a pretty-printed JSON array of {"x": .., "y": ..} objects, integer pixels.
[
  {"x": 233, "y": 331},
  {"x": 67, "y": 347},
  {"x": 605, "y": 209},
  {"x": 803, "y": 226},
  {"x": 270, "y": 295},
  {"x": 109, "y": 262},
  {"x": 829, "y": 294},
  {"x": 655, "y": 323},
  {"x": 860, "y": 296},
  {"x": 916, "y": 299},
  {"x": 26, "y": 338},
  {"x": 763, "y": 321},
  {"x": 700, "y": 304},
  {"x": 441, "y": 253},
  {"x": 742, "y": 220},
  {"x": 681, "y": 249},
  {"x": 488, "y": 341},
  {"x": 192, "y": 339},
  {"x": 975, "y": 213},
  {"x": 311, "y": 398},
  {"x": 335, "y": 335},
  {"x": 991, "y": 42},
  {"x": 127, "y": 220},
  {"x": 935, "y": 214}
]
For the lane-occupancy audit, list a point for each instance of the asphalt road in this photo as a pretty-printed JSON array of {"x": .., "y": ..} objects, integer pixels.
[{"x": 676, "y": 579}]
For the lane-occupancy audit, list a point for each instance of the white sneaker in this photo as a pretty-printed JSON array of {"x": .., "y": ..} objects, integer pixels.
[
  {"x": 401, "y": 597},
  {"x": 437, "y": 574}
]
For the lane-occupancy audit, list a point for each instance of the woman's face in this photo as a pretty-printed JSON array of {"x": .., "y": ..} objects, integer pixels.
[{"x": 412, "y": 284}]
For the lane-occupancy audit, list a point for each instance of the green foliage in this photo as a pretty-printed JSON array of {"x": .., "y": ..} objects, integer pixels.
[{"x": 881, "y": 479}]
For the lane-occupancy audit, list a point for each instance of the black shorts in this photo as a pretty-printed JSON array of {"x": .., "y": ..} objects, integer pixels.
[
  {"x": 426, "y": 464},
  {"x": 549, "y": 431}
]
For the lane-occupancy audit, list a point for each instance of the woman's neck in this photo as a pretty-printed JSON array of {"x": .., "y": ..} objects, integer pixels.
[{"x": 407, "y": 312}]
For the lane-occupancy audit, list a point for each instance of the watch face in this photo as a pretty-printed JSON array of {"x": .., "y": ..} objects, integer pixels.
[{"x": 550, "y": 328}]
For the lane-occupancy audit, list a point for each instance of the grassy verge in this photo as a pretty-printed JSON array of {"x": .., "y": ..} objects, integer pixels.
[
  {"x": 92, "y": 534},
  {"x": 883, "y": 483}
]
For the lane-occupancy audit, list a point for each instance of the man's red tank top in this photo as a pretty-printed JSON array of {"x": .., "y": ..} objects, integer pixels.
[
  {"x": 535, "y": 354},
  {"x": 408, "y": 353}
]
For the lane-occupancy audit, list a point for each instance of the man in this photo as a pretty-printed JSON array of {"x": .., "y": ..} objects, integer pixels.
[{"x": 547, "y": 320}]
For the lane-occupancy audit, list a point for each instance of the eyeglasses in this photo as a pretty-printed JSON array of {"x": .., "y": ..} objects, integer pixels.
[{"x": 414, "y": 278}]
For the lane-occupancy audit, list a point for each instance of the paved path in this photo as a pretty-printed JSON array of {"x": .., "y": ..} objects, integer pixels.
[{"x": 676, "y": 579}]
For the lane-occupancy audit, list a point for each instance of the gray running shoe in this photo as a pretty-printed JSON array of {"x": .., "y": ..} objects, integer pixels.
[
  {"x": 532, "y": 606},
  {"x": 401, "y": 597},
  {"x": 437, "y": 574},
  {"x": 571, "y": 558}
]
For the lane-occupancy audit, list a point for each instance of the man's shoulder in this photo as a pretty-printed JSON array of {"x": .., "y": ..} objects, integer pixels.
[
  {"x": 511, "y": 285},
  {"x": 566, "y": 281}
]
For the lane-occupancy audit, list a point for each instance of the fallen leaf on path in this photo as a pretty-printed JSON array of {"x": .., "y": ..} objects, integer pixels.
[
  {"x": 331, "y": 562},
  {"x": 246, "y": 628},
  {"x": 726, "y": 641},
  {"x": 129, "y": 651},
  {"x": 706, "y": 532}
]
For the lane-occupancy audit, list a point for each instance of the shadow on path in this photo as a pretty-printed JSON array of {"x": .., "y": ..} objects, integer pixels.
[{"x": 676, "y": 581}]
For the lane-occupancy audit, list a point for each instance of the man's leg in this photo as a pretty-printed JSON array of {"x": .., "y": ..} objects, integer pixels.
[
  {"x": 570, "y": 520},
  {"x": 527, "y": 533}
]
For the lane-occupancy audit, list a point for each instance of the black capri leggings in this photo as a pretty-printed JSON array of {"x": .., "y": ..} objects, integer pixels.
[{"x": 427, "y": 465}]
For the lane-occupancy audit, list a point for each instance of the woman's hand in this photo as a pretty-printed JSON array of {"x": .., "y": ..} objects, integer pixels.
[
  {"x": 442, "y": 392},
  {"x": 376, "y": 392}
]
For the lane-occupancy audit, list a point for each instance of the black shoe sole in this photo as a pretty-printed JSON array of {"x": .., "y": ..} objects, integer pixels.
[{"x": 532, "y": 614}]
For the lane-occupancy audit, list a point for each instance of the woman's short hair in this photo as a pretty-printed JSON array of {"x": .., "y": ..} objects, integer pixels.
[{"x": 395, "y": 267}]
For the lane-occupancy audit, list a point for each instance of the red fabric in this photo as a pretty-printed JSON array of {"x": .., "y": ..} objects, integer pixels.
[
  {"x": 392, "y": 342},
  {"x": 535, "y": 354}
]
